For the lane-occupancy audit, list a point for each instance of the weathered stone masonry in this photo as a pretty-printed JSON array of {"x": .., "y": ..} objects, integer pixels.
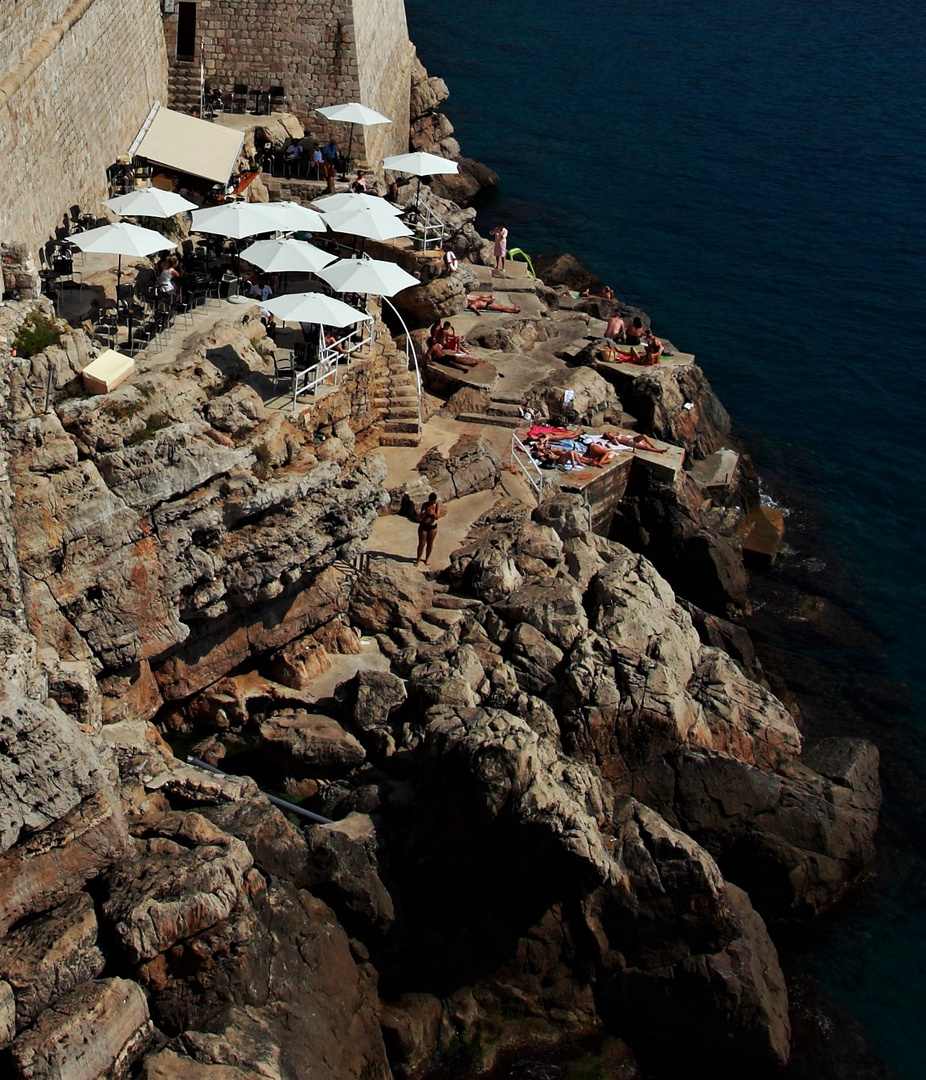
[
  {"x": 78, "y": 78},
  {"x": 76, "y": 82}
]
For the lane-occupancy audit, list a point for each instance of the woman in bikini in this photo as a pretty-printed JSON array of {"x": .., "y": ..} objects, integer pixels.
[
  {"x": 428, "y": 517},
  {"x": 635, "y": 442}
]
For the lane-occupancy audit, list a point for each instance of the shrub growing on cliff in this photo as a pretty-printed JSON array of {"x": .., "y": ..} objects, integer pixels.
[
  {"x": 156, "y": 422},
  {"x": 36, "y": 334}
]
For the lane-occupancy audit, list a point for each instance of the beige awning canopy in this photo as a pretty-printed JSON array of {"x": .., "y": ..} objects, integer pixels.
[{"x": 189, "y": 145}]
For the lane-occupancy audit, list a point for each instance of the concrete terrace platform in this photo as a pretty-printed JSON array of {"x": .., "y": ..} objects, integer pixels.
[
  {"x": 395, "y": 537},
  {"x": 633, "y": 371},
  {"x": 515, "y": 278}
]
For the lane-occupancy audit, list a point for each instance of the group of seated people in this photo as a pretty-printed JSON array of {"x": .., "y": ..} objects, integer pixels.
[
  {"x": 363, "y": 184},
  {"x": 447, "y": 347},
  {"x": 324, "y": 158},
  {"x": 632, "y": 334},
  {"x": 558, "y": 448}
]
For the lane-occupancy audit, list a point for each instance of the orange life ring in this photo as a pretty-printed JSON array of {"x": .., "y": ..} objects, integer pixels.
[{"x": 453, "y": 263}]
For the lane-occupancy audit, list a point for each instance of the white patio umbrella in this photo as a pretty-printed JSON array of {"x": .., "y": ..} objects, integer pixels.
[
  {"x": 352, "y": 200},
  {"x": 374, "y": 276},
  {"x": 314, "y": 308},
  {"x": 235, "y": 219},
  {"x": 294, "y": 217},
  {"x": 121, "y": 238},
  {"x": 420, "y": 164},
  {"x": 285, "y": 255},
  {"x": 353, "y": 113},
  {"x": 149, "y": 202},
  {"x": 368, "y": 223}
]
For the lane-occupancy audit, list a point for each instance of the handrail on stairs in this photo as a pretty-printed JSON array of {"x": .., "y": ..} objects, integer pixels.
[
  {"x": 521, "y": 457},
  {"x": 411, "y": 356}
]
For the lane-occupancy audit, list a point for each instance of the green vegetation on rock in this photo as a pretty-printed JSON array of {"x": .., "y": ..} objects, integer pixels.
[{"x": 36, "y": 334}]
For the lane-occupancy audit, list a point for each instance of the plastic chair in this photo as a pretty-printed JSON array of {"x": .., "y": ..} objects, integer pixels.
[
  {"x": 106, "y": 329},
  {"x": 284, "y": 369},
  {"x": 163, "y": 318},
  {"x": 144, "y": 337},
  {"x": 276, "y": 95},
  {"x": 183, "y": 309}
]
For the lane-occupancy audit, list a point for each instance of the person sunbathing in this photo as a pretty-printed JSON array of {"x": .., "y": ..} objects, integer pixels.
[
  {"x": 442, "y": 355},
  {"x": 544, "y": 450},
  {"x": 653, "y": 350},
  {"x": 635, "y": 442},
  {"x": 629, "y": 354},
  {"x": 480, "y": 302}
]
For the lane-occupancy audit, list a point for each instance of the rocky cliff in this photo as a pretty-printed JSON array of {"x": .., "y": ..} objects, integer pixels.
[{"x": 566, "y": 803}]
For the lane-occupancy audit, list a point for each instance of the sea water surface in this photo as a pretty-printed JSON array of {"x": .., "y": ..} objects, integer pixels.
[{"x": 753, "y": 174}]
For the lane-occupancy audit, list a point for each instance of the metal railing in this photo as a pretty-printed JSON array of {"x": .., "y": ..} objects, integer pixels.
[
  {"x": 521, "y": 456},
  {"x": 316, "y": 819},
  {"x": 311, "y": 378},
  {"x": 411, "y": 356},
  {"x": 428, "y": 228}
]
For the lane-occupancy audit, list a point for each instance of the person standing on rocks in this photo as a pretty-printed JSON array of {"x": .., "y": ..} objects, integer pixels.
[
  {"x": 500, "y": 234},
  {"x": 428, "y": 517}
]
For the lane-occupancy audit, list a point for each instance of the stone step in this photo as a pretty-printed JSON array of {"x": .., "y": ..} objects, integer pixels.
[
  {"x": 452, "y": 602},
  {"x": 399, "y": 440},
  {"x": 504, "y": 408},
  {"x": 507, "y": 397},
  {"x": 400, "y": 413},
  {"x": 486, "y": 418},
  {"x": 444, "y": 618},
  {"x": 396, "y": 401},
  {"x": 396, "y": 427},
  {"x": 428, "y": 632}
]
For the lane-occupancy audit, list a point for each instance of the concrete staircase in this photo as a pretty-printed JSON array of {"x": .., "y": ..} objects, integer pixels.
[
  {"x": 395, "y": 395},
  {"x": 498, "y": 413},
  {"x": 183, "y": 85}
]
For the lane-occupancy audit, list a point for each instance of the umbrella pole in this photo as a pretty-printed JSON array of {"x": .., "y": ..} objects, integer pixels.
[{"x": 350, "y": 147}]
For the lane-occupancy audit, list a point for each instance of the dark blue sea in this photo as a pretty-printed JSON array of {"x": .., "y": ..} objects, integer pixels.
[{"x": 753, "y": 174}]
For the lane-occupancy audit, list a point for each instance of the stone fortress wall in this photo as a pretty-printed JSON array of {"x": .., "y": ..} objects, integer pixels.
[
  {"x": 386, "y": 58},
  {"x": 323, "y": 52},
  {"x": 77, "y": 79}
]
